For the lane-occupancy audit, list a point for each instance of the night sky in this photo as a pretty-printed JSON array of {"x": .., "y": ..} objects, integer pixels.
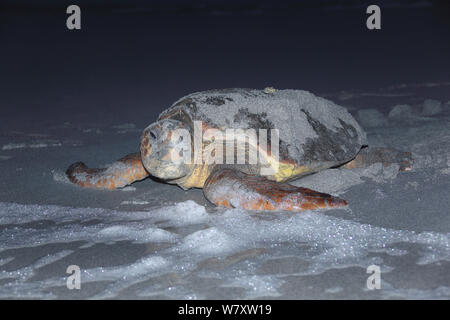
[{"x": 140, "y": 55}]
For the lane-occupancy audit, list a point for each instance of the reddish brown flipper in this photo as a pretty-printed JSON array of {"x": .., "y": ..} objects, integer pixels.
[
  {"x": 234, "y": 189},
  {"x": 121, "y": 173}
]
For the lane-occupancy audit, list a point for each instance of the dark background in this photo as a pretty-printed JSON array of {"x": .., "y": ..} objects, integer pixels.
[{"x": 132, "y": 59}]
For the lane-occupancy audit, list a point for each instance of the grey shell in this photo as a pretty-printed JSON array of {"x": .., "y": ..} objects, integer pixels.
[{"x": 313, "y": 131}]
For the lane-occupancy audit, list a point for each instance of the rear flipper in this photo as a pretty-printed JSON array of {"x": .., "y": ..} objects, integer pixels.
[
  {"x": 387, "y": 156},
  {"x": 234, "y": 189},
  {"x": 121, "y": 173}
]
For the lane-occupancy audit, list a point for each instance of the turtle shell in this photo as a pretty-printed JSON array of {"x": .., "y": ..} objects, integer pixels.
[{"x": 315, "y": 133}]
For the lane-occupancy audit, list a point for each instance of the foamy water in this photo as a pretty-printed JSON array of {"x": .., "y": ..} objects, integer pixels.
[{"x": 224, "y": 248}]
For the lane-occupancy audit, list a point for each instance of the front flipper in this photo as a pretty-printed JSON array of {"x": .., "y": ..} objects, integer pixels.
[
  {"x": 121, "y": 173},
  {"x": 234, "y": 189}
]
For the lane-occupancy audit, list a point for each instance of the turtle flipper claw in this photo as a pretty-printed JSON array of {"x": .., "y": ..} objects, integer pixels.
[
  {"x": 121, "y": 173},
  {"x": 234, "y": 189}
]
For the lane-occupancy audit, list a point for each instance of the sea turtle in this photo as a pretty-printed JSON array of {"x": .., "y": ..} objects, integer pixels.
[{"x": 183, "y": 147}]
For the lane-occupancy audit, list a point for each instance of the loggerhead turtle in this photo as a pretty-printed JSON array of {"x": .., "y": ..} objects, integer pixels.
[{"x": 314, "y": 134}]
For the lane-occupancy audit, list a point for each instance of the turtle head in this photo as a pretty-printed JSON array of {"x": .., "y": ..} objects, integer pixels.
[{"x": 166, "y": 149}]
